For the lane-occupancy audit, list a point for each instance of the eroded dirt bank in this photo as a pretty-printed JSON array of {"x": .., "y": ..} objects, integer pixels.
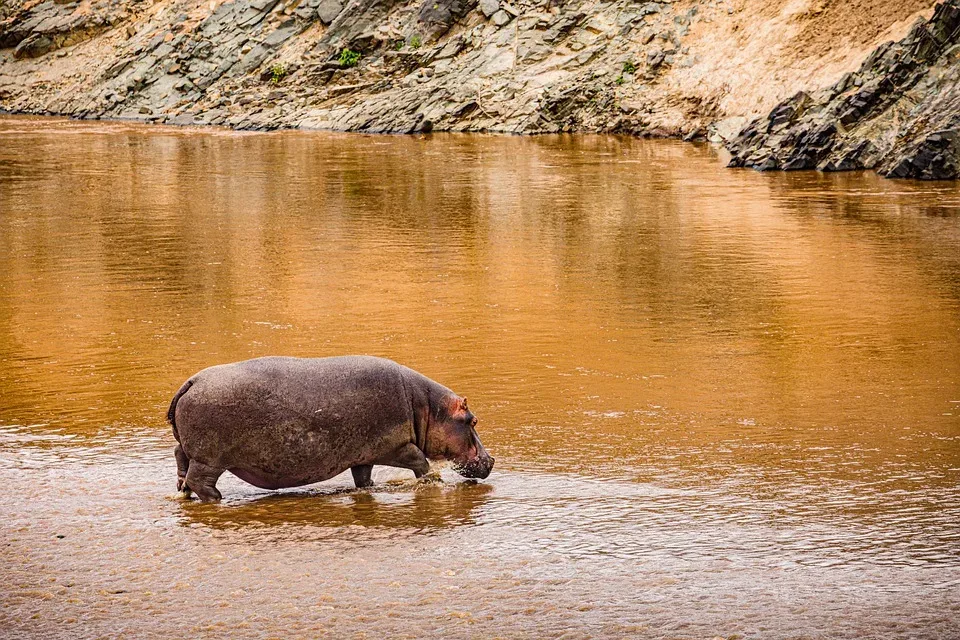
[{"x": 686, "y": 68}]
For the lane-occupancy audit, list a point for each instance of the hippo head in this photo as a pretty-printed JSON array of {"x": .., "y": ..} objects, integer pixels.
[{"x": 452, "y": 435}]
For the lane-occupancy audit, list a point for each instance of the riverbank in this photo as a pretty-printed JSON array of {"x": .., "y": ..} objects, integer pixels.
[{"x": 680, "y": 69}]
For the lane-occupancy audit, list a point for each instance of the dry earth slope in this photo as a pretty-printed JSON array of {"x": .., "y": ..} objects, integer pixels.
[{"x": 673, "y": 68}]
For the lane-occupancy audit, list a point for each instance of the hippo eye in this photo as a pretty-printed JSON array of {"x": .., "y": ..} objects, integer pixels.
[{"x": 473, "y": 421}]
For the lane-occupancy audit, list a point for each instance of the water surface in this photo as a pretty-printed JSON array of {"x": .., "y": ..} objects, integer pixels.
[{"x": 722, "y": 402}]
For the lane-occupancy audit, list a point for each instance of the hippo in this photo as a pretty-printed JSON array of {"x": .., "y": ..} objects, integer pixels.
[{"x": 279, "y": 422}]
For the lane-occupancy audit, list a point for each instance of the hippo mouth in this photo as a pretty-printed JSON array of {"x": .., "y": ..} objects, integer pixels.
[{"x": 478, "y": 467}]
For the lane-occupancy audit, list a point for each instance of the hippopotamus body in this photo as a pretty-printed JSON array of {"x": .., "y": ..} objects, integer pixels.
[{"x": 286, "y": 422}]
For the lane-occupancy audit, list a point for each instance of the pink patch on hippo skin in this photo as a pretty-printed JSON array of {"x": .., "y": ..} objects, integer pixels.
[{"x": 456, "y": 405}]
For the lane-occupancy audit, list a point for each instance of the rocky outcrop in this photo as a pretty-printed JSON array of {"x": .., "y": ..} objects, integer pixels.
[
  {"x": 49, "y": 26},
  {"x": 684, "y": 68},
  {"x": 364, "y": 65},
  {"x": 898, "y": 113}
]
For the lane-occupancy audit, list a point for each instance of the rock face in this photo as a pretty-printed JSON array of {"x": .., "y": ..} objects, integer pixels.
[
  {"x": 898, "y": 113},
  {"x": 438, "y": 16},
  {"x": 48, "y": 26},
  {"x": 687, "y": 68}
]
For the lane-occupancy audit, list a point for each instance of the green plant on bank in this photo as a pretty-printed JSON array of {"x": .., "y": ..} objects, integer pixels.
[
  {"x": 629, "y": 67},
  {"x": 277, "y": 73},
  {"x": 349, "y": 58},
  {"x": 619, "y": 80},
  {"x": 398, "y": 45},
  {"x": 415, "y": 42}
]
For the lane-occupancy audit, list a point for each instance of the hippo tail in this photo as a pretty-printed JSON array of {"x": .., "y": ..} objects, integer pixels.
[{"x": 172, "y": 411}]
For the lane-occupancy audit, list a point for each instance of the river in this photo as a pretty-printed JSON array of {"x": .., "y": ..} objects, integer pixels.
[{"x": 723, "y": 403}]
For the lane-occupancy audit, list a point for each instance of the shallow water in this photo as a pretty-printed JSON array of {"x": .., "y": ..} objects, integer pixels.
[{"x": 722, "y": 402}]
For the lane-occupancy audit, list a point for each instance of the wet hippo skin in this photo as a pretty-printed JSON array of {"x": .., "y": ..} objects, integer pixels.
[{"x": 280, "y": 422}]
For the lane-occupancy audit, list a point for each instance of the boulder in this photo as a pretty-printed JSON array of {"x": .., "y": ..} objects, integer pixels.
[
  {"x": 489, "y": 7},
  {"x": 501, "y": 18},
  {"x": 649, "y": 8},
  {"x": 34, "y": 46},
  {"x": 328, "y": 10},
  {"x": 437, "y": 16}
]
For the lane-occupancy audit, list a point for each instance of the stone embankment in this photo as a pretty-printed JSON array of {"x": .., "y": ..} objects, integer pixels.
[{"x": 685, "y": 68}]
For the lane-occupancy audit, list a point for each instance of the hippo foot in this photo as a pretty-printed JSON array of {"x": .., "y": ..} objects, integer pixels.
[
  {"x": 362, "y": 475},
  {"x": 202, "y": 480},
  {"x": 183, "y": 464},
  {"x": 432, "y": 477}
]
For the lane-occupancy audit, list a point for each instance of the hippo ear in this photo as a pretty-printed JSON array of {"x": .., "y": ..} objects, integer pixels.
[{"x": 463, "y": 403}]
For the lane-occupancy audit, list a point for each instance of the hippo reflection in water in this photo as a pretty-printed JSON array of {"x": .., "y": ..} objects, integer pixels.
[
  {"x": 432, "y": 507},
  {"x": 286, "y": 422}
]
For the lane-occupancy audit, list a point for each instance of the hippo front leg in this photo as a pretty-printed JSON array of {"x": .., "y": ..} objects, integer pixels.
[
  {"x": 362, "y": 475},
  {"x": 410, "y": 457}
]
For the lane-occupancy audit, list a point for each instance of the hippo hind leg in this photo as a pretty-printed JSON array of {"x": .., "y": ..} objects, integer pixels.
[
  {"x": 361, "y": 475},
  {"x": 202, "y": 479},
  {"x": 183, "y": 463}
]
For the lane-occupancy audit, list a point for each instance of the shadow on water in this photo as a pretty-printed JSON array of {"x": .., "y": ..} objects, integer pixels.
[{"x": 408, "y": 506}]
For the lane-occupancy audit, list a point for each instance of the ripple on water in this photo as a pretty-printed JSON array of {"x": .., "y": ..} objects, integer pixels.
[{"x": 722, "y": 402}]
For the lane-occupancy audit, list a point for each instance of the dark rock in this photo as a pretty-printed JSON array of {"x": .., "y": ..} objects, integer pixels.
[
  {"x": 256, "y": 11},
  {"x": 655, "y": 58},
  {"x": 280, "y": 36},
  {"x": 306, "y": 12},
  {"x": 328, "y": 10},
  {"x": 648, "y": 8},
  {"x": 263, "y": 5},
  {"x": 936, "y": 157},
  {"x": 365, "y": 42},
  {"x": 319, "y": 76},
  {"x": 253, "y": 59},
  {"x": 501, "y": 18},
  {"x": 562, "y": 27},
  {"x": 34, "y": 46},
  {"x": 437, "y": 16},
  {"x": 799, "y": 161},
  {"x": 450, "y": 49},
  {"x": 489, "y": 7}
]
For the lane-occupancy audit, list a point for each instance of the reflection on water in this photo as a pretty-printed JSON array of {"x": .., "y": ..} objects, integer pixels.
[
  {"x": 406, "y": 506},
  {"x": 722, "y": 402}
]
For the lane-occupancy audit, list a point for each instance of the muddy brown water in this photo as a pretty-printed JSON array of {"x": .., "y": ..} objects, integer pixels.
[{"x": 723, "y": 403}]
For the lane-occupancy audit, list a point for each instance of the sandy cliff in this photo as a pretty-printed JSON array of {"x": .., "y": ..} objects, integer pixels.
[{"x": 685, "y": 68}]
